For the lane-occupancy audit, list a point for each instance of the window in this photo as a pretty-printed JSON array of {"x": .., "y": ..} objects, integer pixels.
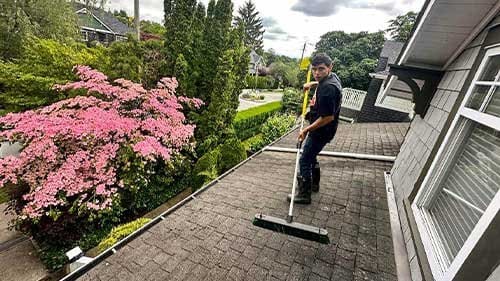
[
  {"x": 85, "y": 35},
  {"x": 459, "y": 196}
]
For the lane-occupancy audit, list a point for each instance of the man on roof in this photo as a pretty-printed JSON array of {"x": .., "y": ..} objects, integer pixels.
[{"x": 323, "y": 117}]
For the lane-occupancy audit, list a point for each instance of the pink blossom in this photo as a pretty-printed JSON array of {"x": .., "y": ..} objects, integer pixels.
[{"x": 71, "y": 147}]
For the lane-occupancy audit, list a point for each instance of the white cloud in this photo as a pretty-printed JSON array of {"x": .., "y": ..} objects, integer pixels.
[{"x": 289, "y": 23}]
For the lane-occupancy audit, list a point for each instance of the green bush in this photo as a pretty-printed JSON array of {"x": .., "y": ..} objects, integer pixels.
[
  {"x": 206, "y": 168},
  {"x": 20, "y": 91},
  {"x": 123, "y": 60},
  {"x": 232, "y": 153},
  {"x": 247, "y": 122},
  {"x": 27, "y": 84},
  {"x": 254, "y": 144},
  {"x": 276, "y": 126},
  {"x": 263, "y": 82},
  {"x": 49, "y": 58},
  {"x": 121, "y": 232},
  {"x": 292, "y": 101},
  {"x": 217, "y": 161}
]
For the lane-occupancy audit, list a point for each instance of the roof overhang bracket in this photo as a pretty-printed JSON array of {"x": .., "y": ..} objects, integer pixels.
[{"x": 421, "y": 96}]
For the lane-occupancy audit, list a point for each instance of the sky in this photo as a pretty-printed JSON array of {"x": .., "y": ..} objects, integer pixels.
[{"x": 291, "y": 23}]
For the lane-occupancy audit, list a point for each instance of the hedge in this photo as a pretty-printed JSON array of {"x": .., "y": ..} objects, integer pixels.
[
  {"x": 247, "y": 122},
  {"x": 120, "y": 232},
  {"x": 263, "y": 82}
]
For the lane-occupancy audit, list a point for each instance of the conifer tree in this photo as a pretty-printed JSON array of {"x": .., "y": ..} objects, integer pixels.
[
  {"x": 196, "y": 60},
  {"x": 249, "y": 18},
  {"x": 178, "y": 20},
  {"x": 215, "y": 37}
]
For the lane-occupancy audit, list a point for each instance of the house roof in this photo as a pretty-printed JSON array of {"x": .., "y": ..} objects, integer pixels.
[
  {"x": 106, "y": 18},
  {"x": 391, "y": 51},
  {"x": 443, "y": 29},
  {"x": 211, "y": 237}
]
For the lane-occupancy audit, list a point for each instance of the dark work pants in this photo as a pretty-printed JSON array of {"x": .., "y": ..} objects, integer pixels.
[{"x": 308, "y": 159}]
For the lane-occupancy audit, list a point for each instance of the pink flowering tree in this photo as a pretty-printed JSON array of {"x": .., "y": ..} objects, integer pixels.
[{"x": 75, "y": 151}]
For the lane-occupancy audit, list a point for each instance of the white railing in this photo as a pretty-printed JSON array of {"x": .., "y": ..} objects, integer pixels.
[{"x": 352, "y": 98}]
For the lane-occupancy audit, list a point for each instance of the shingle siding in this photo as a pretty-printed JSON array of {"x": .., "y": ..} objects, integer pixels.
[{"x": 422, "y": 136}]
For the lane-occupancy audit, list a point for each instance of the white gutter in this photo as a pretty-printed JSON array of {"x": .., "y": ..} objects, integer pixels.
[
  {"x": 400, "y": 253},
  {"x": 337, "y": 154}
]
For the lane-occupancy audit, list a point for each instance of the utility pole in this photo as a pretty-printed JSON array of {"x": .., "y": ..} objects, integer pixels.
[
  {"x": 302, "y": 56},
  {"x": 137, "y": 21}
]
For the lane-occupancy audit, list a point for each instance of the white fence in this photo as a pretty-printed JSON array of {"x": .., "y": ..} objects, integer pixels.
[{"x": 352, "y": 98}]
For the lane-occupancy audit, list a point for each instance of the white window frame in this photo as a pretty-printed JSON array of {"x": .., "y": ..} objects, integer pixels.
[
  {"x": 85, "y": 35},
  {"x": 430, "y": 186}
]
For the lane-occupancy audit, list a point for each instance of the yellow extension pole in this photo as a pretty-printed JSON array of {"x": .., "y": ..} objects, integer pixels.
[{"x": 306, "y": 94}]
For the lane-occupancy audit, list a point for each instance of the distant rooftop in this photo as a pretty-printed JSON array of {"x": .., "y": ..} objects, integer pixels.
[
  {"x": 107, "y": 18},
  {"x": 390, "y": 50}
]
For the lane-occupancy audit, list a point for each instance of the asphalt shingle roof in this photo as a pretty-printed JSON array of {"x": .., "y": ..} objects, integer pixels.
[
  {"x": 107, "y": 18},
  {"x": 212, "y": 238}
]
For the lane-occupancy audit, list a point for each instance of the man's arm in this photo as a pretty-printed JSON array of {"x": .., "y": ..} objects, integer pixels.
[{"x": 320, "y": 122}]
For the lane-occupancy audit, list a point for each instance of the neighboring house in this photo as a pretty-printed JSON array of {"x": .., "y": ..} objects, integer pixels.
[
  {"x": 396, "y": 105},
  {"x": 99, "y": 25},
  {"x": 256, "y": 64},
  {"x": 447, "y": 175}
]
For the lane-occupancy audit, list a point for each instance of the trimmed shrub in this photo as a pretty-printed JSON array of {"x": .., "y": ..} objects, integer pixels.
[
  {"x": 205, "y": 169},
  {"x": 121, "y": 232},
  {"x": 217, "y": 161},
  {"x": 292, "y": 101},
  {"x": 276, "y": 126},
  {"x": 232, "y": 153},
  {"x": 254, "y": 144},
  {"x": 263, "y": 82},
  {"x": 247, "y": 122}
]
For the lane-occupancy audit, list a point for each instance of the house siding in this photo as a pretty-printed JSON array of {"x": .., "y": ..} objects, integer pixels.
[{"x": 423, "y": 135}]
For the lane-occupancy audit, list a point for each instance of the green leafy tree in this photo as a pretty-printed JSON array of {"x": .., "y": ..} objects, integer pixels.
[
  {"x": 125, "y": 59},
  {"x": 354, "y": 55},
  {"x": 400, "y": 27},
  {"x": 152, "y": 27},
  {"x": 286, "y": 73},
  {"x": 249, "y": 18},
  {"x": 21, "y": 19},
  {"x": 123, "y": 17}
]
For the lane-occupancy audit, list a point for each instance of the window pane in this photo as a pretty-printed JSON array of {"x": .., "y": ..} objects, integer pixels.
[
  {"x": 477, "y": 97},
  {"x": 468, "y": 188},
  {"x": 491, "y": 69},
  {"x": 493, "y": 107}
]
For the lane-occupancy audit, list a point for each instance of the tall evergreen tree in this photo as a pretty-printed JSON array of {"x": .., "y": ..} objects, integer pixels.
[
  {"x": 215, "y": 37},
  {"x": 178, "y": 24},
  {"x": 249, "y": 18},
  {"x": 196, "y": 61},
  {"x": 209, "y": 58}
]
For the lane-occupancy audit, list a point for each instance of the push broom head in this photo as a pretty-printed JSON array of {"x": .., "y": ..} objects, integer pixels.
[{"x": 296, "y": 229}]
